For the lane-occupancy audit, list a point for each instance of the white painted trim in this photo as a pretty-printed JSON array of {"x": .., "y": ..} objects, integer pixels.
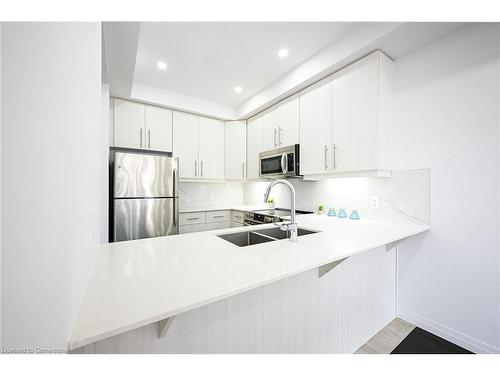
[{"x": 448, "y": 333}]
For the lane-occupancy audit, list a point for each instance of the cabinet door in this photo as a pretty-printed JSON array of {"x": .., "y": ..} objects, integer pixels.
[
  {"x": 269, "y": 120},
  {"x": 129, "y": 124},
  {"x": 254, "y": 132},
  {"x": 316, "y": 128},
  {"x": 235, "y": 150},
  {"x": 288, "y": 121},
  {"x": 185, "y": 143},
  {"x": 211, "y": 148},
  {"x": 355, "y": 116},
  {"x": 158, "y": 128}
]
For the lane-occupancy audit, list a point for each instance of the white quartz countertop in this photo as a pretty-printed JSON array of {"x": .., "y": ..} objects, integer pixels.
[
  {"x": 135, "y": 283},
  {"x": 241, "y": 207}
]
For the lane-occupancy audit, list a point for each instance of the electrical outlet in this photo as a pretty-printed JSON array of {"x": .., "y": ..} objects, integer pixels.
[{"x": 375, "y": 202}]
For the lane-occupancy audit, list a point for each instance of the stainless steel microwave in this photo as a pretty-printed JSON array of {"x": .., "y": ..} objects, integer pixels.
[{"x": 280, "y": 162}]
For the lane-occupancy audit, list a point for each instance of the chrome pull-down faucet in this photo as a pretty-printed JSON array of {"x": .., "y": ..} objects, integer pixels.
[{"x": 292, "y": 226}]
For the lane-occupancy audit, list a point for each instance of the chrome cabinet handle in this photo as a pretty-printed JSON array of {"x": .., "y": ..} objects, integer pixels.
[
  {"x": 149, "y": 138},
  {"x": 201, "y": 167},
  {"x": 192, "y": 218},
  {"x": 275, "y": 131},
  {"x": 279, "y": 135},
  {"x": 195, "y": 168},
  {"x": 243, "y": 170},
  {"x": 326, "y": 158},
  {"x": 141, "y": 136}
]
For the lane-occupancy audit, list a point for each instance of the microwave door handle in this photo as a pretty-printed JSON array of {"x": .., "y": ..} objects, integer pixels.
[{"x": 284, "y": 163}]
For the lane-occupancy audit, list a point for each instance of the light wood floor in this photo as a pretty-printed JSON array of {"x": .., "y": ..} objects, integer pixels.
[{"x": 387, "y": 339}]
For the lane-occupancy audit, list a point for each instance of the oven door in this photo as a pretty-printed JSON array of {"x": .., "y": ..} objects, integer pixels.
[{"x": 248, "y": 222}]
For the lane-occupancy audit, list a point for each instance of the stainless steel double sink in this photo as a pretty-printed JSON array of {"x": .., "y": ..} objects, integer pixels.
[{"x": 254, "y": 237}]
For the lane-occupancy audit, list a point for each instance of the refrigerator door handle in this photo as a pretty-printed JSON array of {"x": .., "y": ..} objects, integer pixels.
[{"x": 175, "y": 199}]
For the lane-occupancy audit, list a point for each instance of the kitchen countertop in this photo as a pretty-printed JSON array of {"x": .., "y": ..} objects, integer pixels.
[
  {"x": 135, "y": 283},
  {"x": 241, "y": 207}
]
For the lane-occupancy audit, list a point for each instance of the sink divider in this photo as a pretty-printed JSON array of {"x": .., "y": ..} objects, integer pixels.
[{"x": 264, "y": 235}]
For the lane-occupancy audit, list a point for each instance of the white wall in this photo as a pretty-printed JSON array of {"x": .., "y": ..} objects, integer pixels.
[
  {"x": 0, "y": 184},
  {"x": 104, "y": 178},
  {"x": 447, "y": 118},
  {"x": 403, "y": 197},
  {"x": 51, "y": 165}
]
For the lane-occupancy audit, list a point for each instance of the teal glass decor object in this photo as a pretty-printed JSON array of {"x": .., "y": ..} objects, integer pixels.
[
  {"x": 342, "y": 214},
  {"x": 354, "y": 215},
  {"x": 331, "y": 212}
]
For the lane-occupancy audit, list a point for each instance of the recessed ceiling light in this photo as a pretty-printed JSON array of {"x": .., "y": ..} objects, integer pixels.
[
  {"x": 238, "y": 89},
  {"x": 283, "y": 52},
  {"x": 161, "y": 65}
]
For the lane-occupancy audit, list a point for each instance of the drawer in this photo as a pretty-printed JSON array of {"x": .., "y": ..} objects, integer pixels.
[
  {"x": 237, "y": 216},
  {"x": 217, "y": 216},
  {"x": 189, "y": 218}
]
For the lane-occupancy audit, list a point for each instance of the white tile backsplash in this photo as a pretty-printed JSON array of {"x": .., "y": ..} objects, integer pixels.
[
  {"x": 404, "y": 196},
  {"x": 209, "y": 194}
]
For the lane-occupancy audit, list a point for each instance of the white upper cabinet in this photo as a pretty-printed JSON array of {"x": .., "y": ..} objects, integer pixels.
[
  {"x": 316, "y": 129},
  {"x": 269, "y": 123},
  {"x": 138, "y": 125},
  {"x": 361, "y": 108},
  {"x": 288, "y": 121},
  {"x": 199, "y": 145},
  {"x": 280, "y": 124},
  {"x": 235, "y": 150},
  {"x": 159, "y": 128},
  {"x": 254, "y": 146},
  {"x": 211, "y": 148},
  {"x": 344, "y": 119},
  {"x": 129, "y": 124},
  {"x": 185, "y": 139}
]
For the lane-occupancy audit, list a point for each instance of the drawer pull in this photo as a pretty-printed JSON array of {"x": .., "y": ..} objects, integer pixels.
[
  {"x": 192, "y": 218},
  {"x": 218, "y": 216}
]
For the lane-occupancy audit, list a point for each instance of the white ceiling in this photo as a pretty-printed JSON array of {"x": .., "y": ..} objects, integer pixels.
[{"x": 207, "y": 60}]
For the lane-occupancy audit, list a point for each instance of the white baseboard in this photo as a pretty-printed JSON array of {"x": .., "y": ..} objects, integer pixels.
[{"x": 448, "y": 333}]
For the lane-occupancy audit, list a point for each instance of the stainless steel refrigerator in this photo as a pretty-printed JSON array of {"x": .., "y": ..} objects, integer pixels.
[{"x": 143, "y": 194}]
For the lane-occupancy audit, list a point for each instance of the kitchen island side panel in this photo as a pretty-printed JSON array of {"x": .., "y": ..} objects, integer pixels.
[{"x": 335, "y": 313}]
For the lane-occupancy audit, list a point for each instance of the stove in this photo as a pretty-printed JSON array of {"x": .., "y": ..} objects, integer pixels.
[{"x": 275, "y": 215}]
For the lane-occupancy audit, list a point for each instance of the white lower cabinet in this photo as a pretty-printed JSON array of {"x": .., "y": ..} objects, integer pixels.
[
  {"x": 237, "y": 218},
  {"x": 190, "y": 222}
]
